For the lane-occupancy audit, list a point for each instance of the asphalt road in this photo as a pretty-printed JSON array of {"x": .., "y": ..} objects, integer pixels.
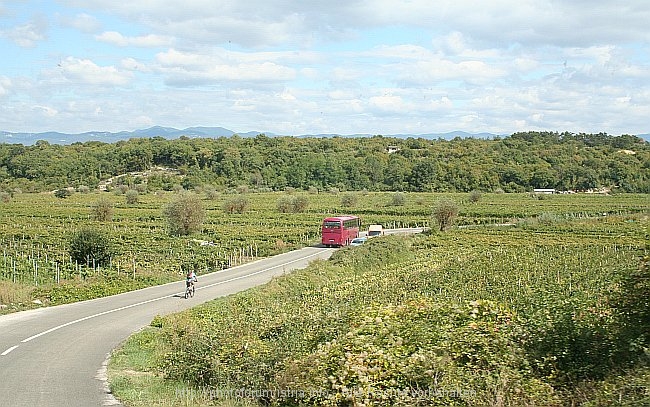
[{"x": 57, "y": 356}]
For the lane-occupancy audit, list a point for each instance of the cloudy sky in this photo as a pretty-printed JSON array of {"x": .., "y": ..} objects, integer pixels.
[{"x": 340, "y": 66}]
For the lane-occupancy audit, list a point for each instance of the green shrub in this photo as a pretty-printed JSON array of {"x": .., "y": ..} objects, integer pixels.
[
  {"x": 62, "y": 193},
  {"x": 121, "y": 189},
  {"x": 632, "y": 306},
  {"x": 132, "y": 197},
  {"x": 103, "y": 210},
  {"x": 184, "y": 215},
  {"x": 210, "y": 192},
  {"x": 569, "y": 342},
  {"x": 90, "y": 247},
  {"x": 349, "y": 200},
  {"x": 445, "y": 212},
  {"x": 475, "y": 196},
  {"x": 285, "y": 204},
  {"x": 300, "y": 203},
  {"x": 292, "y": 204},
  {"x": 237, "y": 204},
  {"x": 420, "y": 353},
  {"x": 141, "y": 188},
  {"x": 398, "y": 199}
]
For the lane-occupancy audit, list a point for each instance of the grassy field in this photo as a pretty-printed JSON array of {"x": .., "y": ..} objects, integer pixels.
[
  {"x": 535, "y": 314},
  {"x": 35, "y": 230},
  {"x": 530, "y": 314}
]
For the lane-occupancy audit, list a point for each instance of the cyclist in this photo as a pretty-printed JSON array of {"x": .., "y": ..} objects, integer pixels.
[{"x": 190, "y": 279}]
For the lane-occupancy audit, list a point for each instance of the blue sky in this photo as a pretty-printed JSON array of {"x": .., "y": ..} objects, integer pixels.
[{"x": 307, "y": 67}]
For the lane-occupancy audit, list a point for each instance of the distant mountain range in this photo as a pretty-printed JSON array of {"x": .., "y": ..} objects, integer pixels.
[{"x": 53, "y": 137}]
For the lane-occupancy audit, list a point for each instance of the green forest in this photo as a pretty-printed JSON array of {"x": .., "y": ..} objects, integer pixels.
[{"x": 517, "y": 163}]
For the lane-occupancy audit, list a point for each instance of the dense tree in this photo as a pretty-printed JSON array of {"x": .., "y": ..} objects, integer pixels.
[
  {"x": 520, "y": 162},
  {"x": 90, "y": 247}
]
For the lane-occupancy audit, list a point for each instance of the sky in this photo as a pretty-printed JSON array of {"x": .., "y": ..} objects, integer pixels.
[{"x": 293, "y": 67}]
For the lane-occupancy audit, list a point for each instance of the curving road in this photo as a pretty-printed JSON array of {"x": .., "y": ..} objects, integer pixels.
[{"x": 57, "y": 356}]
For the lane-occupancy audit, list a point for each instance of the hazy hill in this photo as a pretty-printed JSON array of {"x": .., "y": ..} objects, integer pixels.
[{"x": 192, "y": 132}]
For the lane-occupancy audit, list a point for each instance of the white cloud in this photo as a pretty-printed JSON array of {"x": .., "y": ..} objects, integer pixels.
[
  {"x": 141, "y": 122},
  {"x": 526, "y": 64},
  {"x": 287, "y": 96},
  {"x": 27, "y": 35},
  {"x": 84, "y": 71},
  {"x": 5, "y": 85},
  {"x": 258, "y": 23},
  {"x": 82, "y": 22},
  {"x": 46, "y": 110},
  {"x": 388, "y": 103},
  {"x": 132, "y": 64},
  {"x": 430, "y": 72},
  {"x": 341, "y": 94},
  {"x": 184, "y": 69},
  {"x": 146, "y": 41},
  {"x": 369, "y": 66}
]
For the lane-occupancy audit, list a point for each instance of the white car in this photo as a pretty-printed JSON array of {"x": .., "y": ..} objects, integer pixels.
[{"x": 358, "y": 241}]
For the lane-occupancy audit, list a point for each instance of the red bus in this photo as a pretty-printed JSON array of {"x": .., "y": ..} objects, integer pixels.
[{"x": 340, "y": 230}]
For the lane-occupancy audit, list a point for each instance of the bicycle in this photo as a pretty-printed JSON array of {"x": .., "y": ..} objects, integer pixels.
[{"x": 189, "y": 289}]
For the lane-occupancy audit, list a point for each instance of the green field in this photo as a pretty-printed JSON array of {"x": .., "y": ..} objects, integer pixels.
[
  {"x": 531, "y": 314},
  {"x": 35, "y": 230},
  {"x": 527, "y": 301}
]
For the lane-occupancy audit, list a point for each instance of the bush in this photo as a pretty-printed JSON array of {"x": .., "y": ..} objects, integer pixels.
[
  {"x": 5, "y": 197},
  {"x": 349, "y": 200},
  {"x": 568, "y": 342},
  {"x": 292, "y": 204},
  {"x": 300, "y": 203},
  {"x": 90, "y": 247},
  {"x": 62, "y": 193},
  {"x": 184, "y": 215},
  {"x": 103, "y": 210},
  {"x": 121, "y": 189},
  {"x": 210, "y": 192},
  {"x": 400, "y": 355},
  {"x": 132, "y": 196},
  {"x": 236, "y": 205},
  {"x": 141, "y": 188},
  {"x": 285, "y": 204},
  {"x": 475, "y": 196},
  {"x": 398, "y": 199},
  {"x": 632, "y": 305},
  {"x": 444, "y": 213}
]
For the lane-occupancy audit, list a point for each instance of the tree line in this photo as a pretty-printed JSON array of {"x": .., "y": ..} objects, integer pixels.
[{"x": 516, "y": 163}]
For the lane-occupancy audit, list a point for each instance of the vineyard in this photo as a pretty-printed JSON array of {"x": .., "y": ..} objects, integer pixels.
[
  {"x": 536, "y": 314},
  {"x": 36, "y": 267}
]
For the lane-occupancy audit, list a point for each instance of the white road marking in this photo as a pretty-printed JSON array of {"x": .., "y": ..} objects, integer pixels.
[
  {"x": 153, "y": 300},
  {"x": 5, "y": 353}
]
